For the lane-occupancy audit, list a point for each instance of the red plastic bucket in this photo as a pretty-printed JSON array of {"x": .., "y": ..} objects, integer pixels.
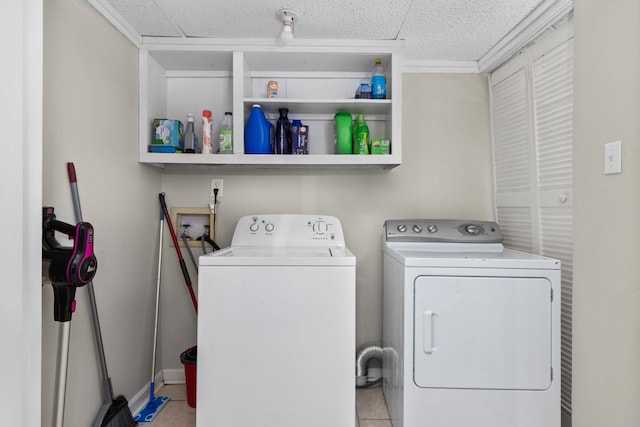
[{"x": 189, "y": 359}]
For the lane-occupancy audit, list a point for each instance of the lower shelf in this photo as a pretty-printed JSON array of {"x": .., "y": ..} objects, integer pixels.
[{"x": 270, "y": 160}]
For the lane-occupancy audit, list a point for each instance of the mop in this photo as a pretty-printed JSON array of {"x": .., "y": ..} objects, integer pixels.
[{"x": 156, "y": 403}]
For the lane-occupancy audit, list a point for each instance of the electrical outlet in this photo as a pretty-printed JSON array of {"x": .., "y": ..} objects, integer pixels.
[{"x": 216, "y": 183}]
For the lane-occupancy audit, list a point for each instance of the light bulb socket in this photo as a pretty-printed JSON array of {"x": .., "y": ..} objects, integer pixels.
[{"x": 287, "y": 17}]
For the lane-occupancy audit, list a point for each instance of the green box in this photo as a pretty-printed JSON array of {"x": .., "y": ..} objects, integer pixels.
[{"x": 380, "y": 146}]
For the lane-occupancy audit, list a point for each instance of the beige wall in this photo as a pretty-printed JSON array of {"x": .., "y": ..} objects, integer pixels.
[
  {"x": 606, "y": 354},
  {"x": 90, "y": 117},
  {"x": 446, "y": 173}
]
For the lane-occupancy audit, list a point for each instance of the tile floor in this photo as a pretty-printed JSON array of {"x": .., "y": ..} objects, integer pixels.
[{"x": 371, "y": 408}]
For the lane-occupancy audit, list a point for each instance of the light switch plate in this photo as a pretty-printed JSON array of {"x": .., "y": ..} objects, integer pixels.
[{"x": 613, "y": 158}]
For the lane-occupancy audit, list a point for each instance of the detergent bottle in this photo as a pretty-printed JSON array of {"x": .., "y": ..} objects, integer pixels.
[
  {"x": 360, "y": 136},
  {"x": 257, "y": 133}
]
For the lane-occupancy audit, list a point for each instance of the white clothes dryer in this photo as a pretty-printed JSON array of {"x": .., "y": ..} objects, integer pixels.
[
  {"x": 471, "y": 330},
  {"x": 276, "y": 326}
]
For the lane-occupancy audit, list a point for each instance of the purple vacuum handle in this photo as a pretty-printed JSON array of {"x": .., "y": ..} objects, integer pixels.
[
  {"x": 83, "y": 263},
  {"x": 71, "y": 171}
]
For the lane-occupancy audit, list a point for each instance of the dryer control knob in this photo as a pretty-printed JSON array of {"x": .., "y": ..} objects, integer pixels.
[
  {"x": 254, "y": 226},
  {"x": 402, "y": 228},
  {"x": 432, "y": 228},
  {"x": 417, "y": 228},
  {"x": 471, "y": 229},
  {"x": 269, "y": 227}
]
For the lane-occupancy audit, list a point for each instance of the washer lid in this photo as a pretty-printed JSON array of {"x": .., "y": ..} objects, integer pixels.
[{"x": 279, "y": 255}]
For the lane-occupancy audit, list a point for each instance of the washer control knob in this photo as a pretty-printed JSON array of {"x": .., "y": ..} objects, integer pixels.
[
  {"x": 402, "y": 228},
  {"x": 254, "y": 226},
  {"x": 269, "y": 227},
  {"x": 432, "y": 228},
  {"x": 417, "y": 228},
  {"x": 320, "y": 227},
  {"x": 471, "y": 229}
]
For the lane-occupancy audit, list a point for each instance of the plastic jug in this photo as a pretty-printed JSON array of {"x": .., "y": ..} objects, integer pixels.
[
  {"x": 257, "y": 133},
  {"x": 343, "y": 122}
]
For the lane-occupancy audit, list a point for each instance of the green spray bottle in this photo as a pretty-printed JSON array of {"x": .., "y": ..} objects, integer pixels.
[{"x": 360, "y": 136}]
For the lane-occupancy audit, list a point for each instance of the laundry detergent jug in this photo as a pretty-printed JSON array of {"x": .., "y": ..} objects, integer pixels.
[{"x": 257, "y": 133}]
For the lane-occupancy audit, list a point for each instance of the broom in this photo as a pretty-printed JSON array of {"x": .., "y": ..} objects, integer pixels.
[{"x": 115, "y": 411}]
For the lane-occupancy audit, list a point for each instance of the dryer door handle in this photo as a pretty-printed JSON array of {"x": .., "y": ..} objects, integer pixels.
[{"x": 427, "y": 331}]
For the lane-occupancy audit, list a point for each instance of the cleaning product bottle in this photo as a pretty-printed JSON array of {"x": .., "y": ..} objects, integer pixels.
[
  {"x": 361, "y": 136},
  {"x": 344, "y": 132},
  {"x": 190, "y": 140},
  {"x": 207, "y": 147},
  {"x": 257, "y": 133},
  {"x": 226, "y": 134},
  {"x": 299, "y": 137},
  {"x": 378, "y": 81},
  {"x": 296, "y": 148},
  {"x": 283, "y": 143}
]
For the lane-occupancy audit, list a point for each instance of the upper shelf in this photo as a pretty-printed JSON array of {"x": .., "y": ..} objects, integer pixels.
[{"x": 321, "y": 106}]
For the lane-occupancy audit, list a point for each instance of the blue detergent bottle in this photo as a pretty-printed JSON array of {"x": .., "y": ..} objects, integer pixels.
[{"x": 257, "y": 133}]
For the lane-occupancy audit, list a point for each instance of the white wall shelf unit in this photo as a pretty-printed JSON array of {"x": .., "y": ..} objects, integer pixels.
[{"x": 315, "y": 82}]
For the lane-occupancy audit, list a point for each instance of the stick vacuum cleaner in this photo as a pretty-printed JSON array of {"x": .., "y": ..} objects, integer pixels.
[{"x": 69, "y": 268}]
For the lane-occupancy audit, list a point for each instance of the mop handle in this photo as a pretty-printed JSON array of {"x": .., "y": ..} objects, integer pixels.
[
  {"x": 106, "y": 381},
  {"x": 155, "y": 326},
  {"x": 183, "y": 266}
]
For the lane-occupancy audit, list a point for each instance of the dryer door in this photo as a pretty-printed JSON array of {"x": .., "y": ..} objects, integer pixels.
[{"x": 482, "y": 332}]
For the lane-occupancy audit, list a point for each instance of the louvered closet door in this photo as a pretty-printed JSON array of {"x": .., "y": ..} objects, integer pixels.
[
  {"x": 553, "y": 98},
  {"x": 532, "y": 125},
  {"x": 512, "y": 157}
]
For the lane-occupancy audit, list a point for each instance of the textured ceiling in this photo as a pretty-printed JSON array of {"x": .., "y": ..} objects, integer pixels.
[{"x": 458, "y": 30}]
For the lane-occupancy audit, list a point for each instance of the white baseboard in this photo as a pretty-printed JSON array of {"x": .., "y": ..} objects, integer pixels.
[
  {"x": 173, "y": 376},
  {"x": 166, "y": 376}
]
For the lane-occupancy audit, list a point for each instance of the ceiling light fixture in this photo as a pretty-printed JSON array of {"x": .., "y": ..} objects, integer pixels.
[{"x": 287, "y": 17}]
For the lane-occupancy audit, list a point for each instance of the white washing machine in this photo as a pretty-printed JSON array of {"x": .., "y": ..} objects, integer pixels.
[
  {"x": 276, "y": 326},
  {"x": 471, "y": 330}
]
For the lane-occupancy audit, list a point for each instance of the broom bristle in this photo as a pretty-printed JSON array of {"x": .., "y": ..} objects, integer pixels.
[{"x": 119, "y": 414}]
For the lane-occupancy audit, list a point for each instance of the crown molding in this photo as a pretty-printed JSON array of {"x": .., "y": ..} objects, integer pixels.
[
  {"x": 529, "y": 29},
  {"x": 113, "y": 17},
  {"x": 437, "y": 66}
]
